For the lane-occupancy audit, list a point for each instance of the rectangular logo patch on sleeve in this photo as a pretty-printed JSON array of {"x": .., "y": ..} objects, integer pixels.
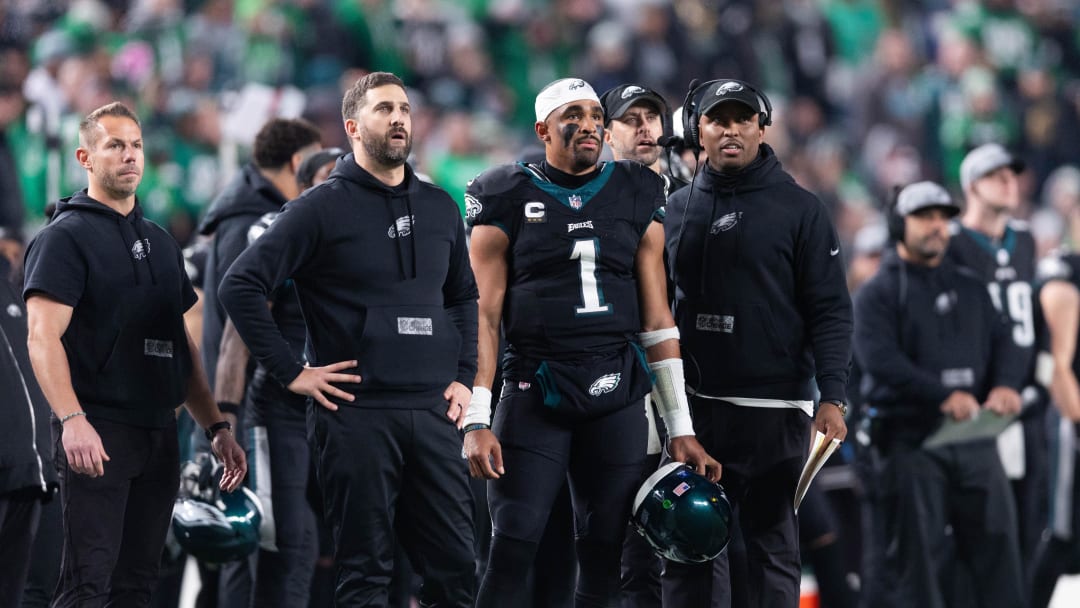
[
  {"x": 415, "y": 326},
  {"x": 158, "y": 348},
  {"x": 724, "y": 324}
]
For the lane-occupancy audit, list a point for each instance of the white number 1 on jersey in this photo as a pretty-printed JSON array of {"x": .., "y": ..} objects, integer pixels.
[{"x": 585, "y": 250}]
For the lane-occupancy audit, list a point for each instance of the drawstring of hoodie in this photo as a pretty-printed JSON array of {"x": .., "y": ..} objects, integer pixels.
[
  {"x": 412, "y": 229},
  {"x": 127, "y": 250},
  {"x": 399, "y": 237},
  {"x": 140, "y": 238},
  {"x": 146, "y": 248},
  {"x": 738, "y": 228},
  {"x": 397, "y": 233}
]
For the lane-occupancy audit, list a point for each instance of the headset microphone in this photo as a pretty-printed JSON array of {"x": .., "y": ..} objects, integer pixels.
[{"x": 668, "y": 141}]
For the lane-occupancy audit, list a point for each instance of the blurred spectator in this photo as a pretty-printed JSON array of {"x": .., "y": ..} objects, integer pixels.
[{"x": 12, "y": 206}]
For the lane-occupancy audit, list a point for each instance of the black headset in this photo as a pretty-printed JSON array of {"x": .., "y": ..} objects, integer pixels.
[
  {"x": 693, "y": 100},
  {"x": 893, "y": 219}
]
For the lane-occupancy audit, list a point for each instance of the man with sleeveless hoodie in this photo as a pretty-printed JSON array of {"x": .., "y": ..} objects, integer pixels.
[
  {"x": 379, "y": 262},
  {"x": 105, "y": 295},
  {"x": 763, "y": 308}
]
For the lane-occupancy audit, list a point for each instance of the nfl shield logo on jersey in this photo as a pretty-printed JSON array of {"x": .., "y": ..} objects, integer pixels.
[{"x": 575, "y": 202}]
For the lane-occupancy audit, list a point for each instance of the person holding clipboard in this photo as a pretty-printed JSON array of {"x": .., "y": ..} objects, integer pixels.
[{"x": 933, "y": 349}]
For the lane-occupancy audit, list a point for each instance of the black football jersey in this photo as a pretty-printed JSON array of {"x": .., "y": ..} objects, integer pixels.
[
  {"x": 1008, "y": 269},
  {"x": 571, "y": 288}
]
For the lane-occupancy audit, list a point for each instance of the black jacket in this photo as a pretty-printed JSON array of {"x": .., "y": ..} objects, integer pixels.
[
  {"x": 246, "y": 198},
  {"x": 760, "y": 293},
  {"x": 383, "y": 277},
  {"x": 921, "y": 333},
  {"x": 124, "y": 277},
  {"x": 25, "y": 446}
]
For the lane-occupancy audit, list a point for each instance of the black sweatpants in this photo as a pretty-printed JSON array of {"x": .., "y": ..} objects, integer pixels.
[
  {"x": 45, "y": 556},
  {"x": 1059, "y": 552},
  {"x": 279, "y": 461},
  {"x": 601, "y": 457},
  {"x": 18, "y": 524},
  {"x": 762, "y": 451},
  {"x": 389, "y": 475},
  {"x": 115, "y": 525},
  {"x": 926, "y": 490}
]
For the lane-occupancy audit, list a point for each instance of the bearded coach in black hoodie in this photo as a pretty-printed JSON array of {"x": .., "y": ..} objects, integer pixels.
[
  {"x": 763, "y": 309},
  {"x": 105, "y": 295},
  {"x": 380, "y": 265}
]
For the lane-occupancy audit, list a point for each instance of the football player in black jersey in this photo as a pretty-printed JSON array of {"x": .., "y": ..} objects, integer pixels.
[
  {"x": 1059, "y": 296},
  {"x": 569, "y": 260},
  {"x": 1001, "y": 251}
]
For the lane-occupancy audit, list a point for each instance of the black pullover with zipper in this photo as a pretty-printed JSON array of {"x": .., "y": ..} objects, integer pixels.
[
  {"x": 124, "y": 278},
  {"x": 383, "y": 277},
  {"x": 761, "y": 301}
]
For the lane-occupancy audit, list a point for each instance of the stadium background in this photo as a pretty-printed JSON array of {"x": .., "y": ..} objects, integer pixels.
[{"x": 868, "y": 93}]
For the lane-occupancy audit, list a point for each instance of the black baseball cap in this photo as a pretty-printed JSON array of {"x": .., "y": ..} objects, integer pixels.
[
  {"x": 729, "y": 90},
  {"x": 305, "y": 173},
  {"x": 617, "y": 100}
]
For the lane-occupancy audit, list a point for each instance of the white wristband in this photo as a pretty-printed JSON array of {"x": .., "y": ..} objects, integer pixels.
[
  {"x": 652, "y": 338},
  {"x": 669, "y": 394},
  {"x": 479, "y": 407}
]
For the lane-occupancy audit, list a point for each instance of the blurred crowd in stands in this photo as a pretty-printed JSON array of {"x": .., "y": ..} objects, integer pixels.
[{"x": 869, "y": 94}]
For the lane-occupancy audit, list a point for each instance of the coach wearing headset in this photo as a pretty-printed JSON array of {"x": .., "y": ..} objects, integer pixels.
[
  {"x": 931, "y": 345},
  {"x": 761, "y": 303}
]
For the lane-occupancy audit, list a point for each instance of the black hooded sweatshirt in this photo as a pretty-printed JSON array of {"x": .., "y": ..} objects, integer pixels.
[
  {"x": 383, "y": 277},
  {"x": 245, "y": 199},
  {"x": 124, "y": 277},
  {"x": 760, "y": 295},
  {"x": 922, "y": 332}
]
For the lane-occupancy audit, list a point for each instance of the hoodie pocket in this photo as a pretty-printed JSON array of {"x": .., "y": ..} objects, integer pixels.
[
  {"x": 407, "y": 348},
  {"x": 147, "y": 361}
]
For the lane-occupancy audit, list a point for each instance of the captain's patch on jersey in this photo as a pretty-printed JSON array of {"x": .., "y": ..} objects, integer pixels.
[
  {"x": 535, "y": 212},
  {"x": 415, "y": 326},
  {"x": 724, "y": 324},
  {"x": 604, "y": 384}
]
